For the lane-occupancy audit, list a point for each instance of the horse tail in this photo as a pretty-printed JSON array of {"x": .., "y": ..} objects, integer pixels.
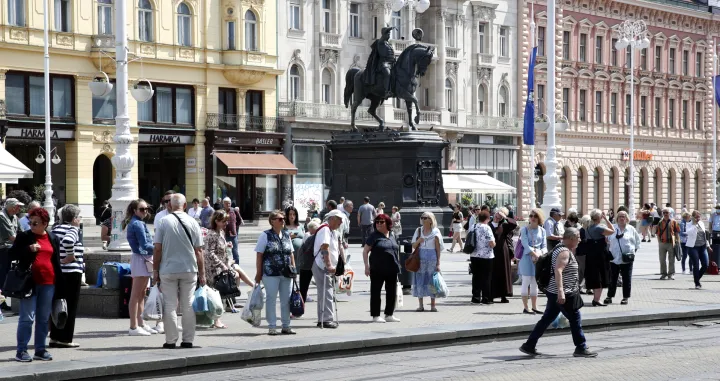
[{"x": 350, "y": 85}]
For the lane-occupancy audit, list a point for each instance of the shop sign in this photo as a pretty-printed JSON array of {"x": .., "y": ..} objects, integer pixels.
[
  {"x": 39, "y": 134},
  {"x": 262, "y": 142},
  {"x": 190, "y": 162},
  {"x": 638, "y": 155},
  {"x": 166, "y": 139}
]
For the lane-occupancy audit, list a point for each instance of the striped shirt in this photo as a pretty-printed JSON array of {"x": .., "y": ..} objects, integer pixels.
[
  {"x": 69, "y": 237},
  {"x": 569, "y": 274}
]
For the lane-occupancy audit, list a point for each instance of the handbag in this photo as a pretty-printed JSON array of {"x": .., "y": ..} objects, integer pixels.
[
  {"x": 412, "y": 263},
  {"x": 573, "y": 302},
  {"x": 226, "y": 285},
  {"x": 519, "y": 248},
  {"x": 678, "y": 252},
  {"x": 297, "y": 304},
  {"x": 59, "y": 313},
  {"x": 470, "y": 241},
  {"x": 626, "y": 257},
  {"x": 19, "y": 283}
]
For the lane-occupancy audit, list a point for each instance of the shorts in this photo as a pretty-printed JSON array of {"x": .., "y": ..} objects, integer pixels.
[{"x": 138, "y": 267}]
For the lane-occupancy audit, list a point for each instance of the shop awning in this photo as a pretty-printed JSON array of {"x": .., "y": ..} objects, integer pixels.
[
  {"x": 473, "y": 182},
  {"x": 11, "y": 169},
  {"x": 257, "y": 164}
]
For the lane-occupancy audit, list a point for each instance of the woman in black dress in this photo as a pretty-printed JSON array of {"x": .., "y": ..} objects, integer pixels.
[
  {"x": 597, "y": 261},
  {"x": 503, "y": 229}
]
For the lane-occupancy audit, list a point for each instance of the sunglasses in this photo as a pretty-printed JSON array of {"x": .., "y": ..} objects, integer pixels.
[
  {"x": 35, "y": 223},
  {"x": 424, "y": 218},
  {"x": 533, "y": 216},
  {"x": 379, "y": 221},
  {"x": 143, "y": 210},
  {"x": 279, "y": 219}
]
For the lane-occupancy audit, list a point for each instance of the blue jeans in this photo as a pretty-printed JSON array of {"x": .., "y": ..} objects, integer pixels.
[
  {"x": 234, "y": 241},
  {"x": 685, "y": 255},
  {"x": 36, "y": 309},
  {"x": 552, "y": 309},
  {"x": 698, "y": 254},
  {"x": 273, "y": 286}
]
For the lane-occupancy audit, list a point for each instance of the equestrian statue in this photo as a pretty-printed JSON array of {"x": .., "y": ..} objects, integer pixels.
[{"x": 384, "y": 78}]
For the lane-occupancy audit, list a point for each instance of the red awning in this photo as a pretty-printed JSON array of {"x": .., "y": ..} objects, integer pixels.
[{"x": 257, "y": 164}]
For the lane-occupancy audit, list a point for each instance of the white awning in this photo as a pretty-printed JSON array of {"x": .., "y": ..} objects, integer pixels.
[
  {"x": 11, "y": 169},
  {"x": 473, "y": 182}
]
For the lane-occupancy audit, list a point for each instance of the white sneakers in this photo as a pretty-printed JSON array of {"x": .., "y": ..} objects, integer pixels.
[
  {"x": 391, "y": 319},
  {"x": 378, "y": 319},
  {"x": 149, "y": 329},
  {"x": 139, "y": 332},
  {"x": 160, "y": 327}
]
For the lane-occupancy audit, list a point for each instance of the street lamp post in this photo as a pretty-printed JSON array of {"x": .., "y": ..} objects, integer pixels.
[
  {"x": 633, "y": 34},
  {"x": 48, "y": 204},
  {"x": 551, "y": 197}
]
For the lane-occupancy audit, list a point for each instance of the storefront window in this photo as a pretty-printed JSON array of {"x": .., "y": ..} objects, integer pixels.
[
  {"x": 308, "y": 187},
  {"x": 499, "y": 163},
  {"x": 266, "y": 193},
  {"x": 225, "y": 185}
]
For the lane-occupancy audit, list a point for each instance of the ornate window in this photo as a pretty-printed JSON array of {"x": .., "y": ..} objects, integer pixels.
[
  {"x": 598, "y": 106},
  {"x": 105, "y": 16},
  {"x": 698, "y": 64},
  {"x": 295, "y": 84},
  {"x": 481, "y": 99},
  {"x": 184, "y": 27},
  {"x": 449, "y": 95},
  {"x": 566, "y": 45},
  {"x": 503, "y": 99},
  {"x": 504, "y": 36},
  {"x": 326, "y": 87},
  {"x": 250, "y": 31},
  {"x": 16, "y": 12},
  {"x": 481, "y": 38},
  {"x": 581, "y": 105},
  {"x": 145, "y": 20},
  {"x": 541, "y": 41},
  {"x": 231, "y": 44},
  {"x": 698, "y": 115},
  {"x": 295, "y": 17}
]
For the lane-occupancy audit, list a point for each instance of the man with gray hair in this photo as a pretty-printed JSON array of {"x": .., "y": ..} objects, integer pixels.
[
  {"x": 668, "y": 233},
  {"x": 177, "y": 259},
  {"x": 8, "y": 232},
  {"x": 25, "y": 221}
]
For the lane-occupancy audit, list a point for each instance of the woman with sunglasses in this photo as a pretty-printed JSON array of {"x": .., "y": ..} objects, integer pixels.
[
  {"x": 41, "y": 250},
  {"x": 381, "y": 256},
  {"x": 626, "y": 240},
  {"x": 534, "y": 241},
  {"x": 141, "y": 244},
  {"x": 429, "y": 239},
  {"x": 698, "y": 246}
]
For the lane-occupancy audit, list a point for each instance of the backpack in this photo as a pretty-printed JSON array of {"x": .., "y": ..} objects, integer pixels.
[
  {"x": 306, "y": 257},
  {"x": 470, "y": 241},
  {"x": 544, "y": 270}
]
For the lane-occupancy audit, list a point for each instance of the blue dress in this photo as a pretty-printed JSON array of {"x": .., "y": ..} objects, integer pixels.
[
  {"x": 531, "y": 239},
  {"x": 428, "y": 263}
]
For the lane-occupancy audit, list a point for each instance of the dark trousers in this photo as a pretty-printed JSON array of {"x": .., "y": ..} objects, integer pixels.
[
  {"x": 305, "y": 278},
  {"x": 481, "y": 277},
  {"x": 376, "y": 285},
  {"x": 552, "y": 309},
  {"x": 626, "y": 271},
  {"x": 68, "y": 289},
  {"x": 698, "y": 254},
  {"x": 4, "y": 265}
]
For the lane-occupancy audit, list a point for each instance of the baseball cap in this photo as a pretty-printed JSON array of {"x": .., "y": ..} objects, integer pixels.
[
  {"x": 9, "y": 203},
  {"x": 335, "y": 213}
]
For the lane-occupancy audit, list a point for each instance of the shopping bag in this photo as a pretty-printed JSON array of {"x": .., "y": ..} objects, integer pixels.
[
  {"x": 297, "y": 305},
  {"x": 398, "y": 295},
  {"x": 215, "y": 304},
  {"x": 257, "y": 298},
  {"x": 440, "y": 288},
  {"x": 560, "y": 321},
  {"x": 59, "y": 313},
  {"x": 199, "y": 303},
  {"x": 344, "y": 283},
  {"x": 251, "y": 316},
  {"x": 154, "y": 305}
]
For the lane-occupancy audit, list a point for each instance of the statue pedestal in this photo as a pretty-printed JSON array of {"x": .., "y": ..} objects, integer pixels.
[{"x": 402, "y": 169}]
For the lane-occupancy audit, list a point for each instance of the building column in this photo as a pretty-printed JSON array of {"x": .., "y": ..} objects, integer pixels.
[{"x": 440, "y": 65}]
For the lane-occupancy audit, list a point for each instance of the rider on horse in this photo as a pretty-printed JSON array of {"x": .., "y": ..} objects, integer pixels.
[{"x": 378, "y": 70}]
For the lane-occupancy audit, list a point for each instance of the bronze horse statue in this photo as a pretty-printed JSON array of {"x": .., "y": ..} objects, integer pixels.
[{"x": 412, "y": 64}]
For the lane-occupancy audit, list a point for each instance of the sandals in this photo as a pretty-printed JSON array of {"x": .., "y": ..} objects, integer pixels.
[{"x": 223, "y": 326}]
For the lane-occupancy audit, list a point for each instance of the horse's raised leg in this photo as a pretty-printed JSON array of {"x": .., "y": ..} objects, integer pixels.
[{"x": 374, "y": 103}]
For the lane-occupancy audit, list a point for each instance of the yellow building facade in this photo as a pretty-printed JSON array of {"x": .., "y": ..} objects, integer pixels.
[{"x": 212, "y": 66}]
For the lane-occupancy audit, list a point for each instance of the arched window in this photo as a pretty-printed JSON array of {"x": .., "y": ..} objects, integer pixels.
[
  {"x": 16, "y": 12},
  {"x": 295, "y": 84},
  {"x": 503, "y": 102},
  {"x": 597, "y": 188},
  {"x": 612, "y": 179},
  {"x": 326, "y": 89},
  {"x": 184, "y": 28},
  {"x": 105, "y": 16},
  {"x": 250, "y": 31},
  {"x": 481, "y": 100},
  {"x": 145, "y": 20},
  {"x": 449, "y": 95}
]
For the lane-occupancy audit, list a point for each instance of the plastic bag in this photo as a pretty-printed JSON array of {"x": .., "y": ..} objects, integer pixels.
[
  {"x": 215, "y": 304},
  {"x": 344, "y": 283},
  {"x": 200, "y": 304},
  {"x": 251, "y": 316},
  {"x": 398, "y": 296},
  {"x": 561, "y": 321},
  {"x": 441, "y": 290},
  {"x": 154, "y": 305},
  {"x": 257, "y": 298}
]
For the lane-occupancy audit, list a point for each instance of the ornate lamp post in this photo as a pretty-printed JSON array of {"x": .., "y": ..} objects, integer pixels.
[
  {"x": 551, "y": 198},
  {"x": 633, "y": 34}
]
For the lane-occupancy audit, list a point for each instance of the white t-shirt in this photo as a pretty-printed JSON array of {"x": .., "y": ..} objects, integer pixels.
[
  {"x": 158, "y": 217},
  {"x": 194, "y": 212},
  {"x": 429, "y": 242},
  {"x": 330, "y": 237}
]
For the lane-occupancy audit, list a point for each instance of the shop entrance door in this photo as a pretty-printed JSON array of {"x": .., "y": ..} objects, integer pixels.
[
  {"x": 102, "y": 182},
  {"x": 246, "y": 196}
]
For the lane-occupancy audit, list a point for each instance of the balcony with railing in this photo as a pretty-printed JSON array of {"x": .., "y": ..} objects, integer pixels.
[
  {"x": 494, "y": 123},
  {"x": 330, "y": 40},
  {"x": 320, "y": 111},
  {"x": 233, "y": 122},
  {"x": 452, "y": 53}
]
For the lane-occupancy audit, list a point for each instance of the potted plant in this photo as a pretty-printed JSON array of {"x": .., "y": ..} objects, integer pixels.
[
  {"x": 101, "y": 86},
  {"x": 142, "y": 92}
]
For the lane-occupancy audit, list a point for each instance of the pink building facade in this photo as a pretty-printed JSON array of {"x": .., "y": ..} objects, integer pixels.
[{"x": 672, "y": 104}]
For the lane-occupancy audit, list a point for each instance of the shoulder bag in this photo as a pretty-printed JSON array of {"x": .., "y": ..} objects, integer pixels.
[
  {"x": 412, "y": 264},
  {"x": 519, "y": 248},
  {"x": 18, "y": 282},
  {"x": 626, "y": 257}
]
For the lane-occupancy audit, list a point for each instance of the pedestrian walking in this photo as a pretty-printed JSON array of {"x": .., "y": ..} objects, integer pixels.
[
  {"x": 582, "y": 250},
  {"x": 231, "y": 229},
  {"x": 365, "y": 217},
  {"x": 672, "y": 211},
  {"x": 178, "y": 263},
  {"x": 329, "y": 251},
  {"x": 481, "y": 261},
  {"x": 474, "y": 211},
  {"x": 306, "y": 274},
  {"x": 698, "y": 246},
  {"x": 685, "y": 219},
  {"x": 534, "y": 241},
  {"x": 715, "y": 233},
  {"x": 597, "y": 263},
  {"x": 623, "y": 246},
  {"x": 503, "y": 228},
  {"x": 381, "y": 256},
  {"x": 396, "y": 221},
  {"x": 72, "y": 266},
  {"x": 429, "y": 239},
  {"x": 646, "y": 220},
  {"x": 40, "y": 251},
  {"x": 668, "y": 232},
  {"x": 553, "y": 228},
  {"x": 457, "y": 228},
  {"x": 655, "y": 212},
  {"x": 8, "y": 233},
  {"x": 275, "y": 268},
  {"x": 563, "y": 296}
]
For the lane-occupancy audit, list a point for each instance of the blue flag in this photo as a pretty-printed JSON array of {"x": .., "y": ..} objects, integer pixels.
[
  {"x": 717, "y": 89},
  {"x": 529, "y": 125}
]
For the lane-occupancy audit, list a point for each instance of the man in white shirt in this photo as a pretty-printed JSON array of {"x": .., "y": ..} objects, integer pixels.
[
  {"x": 166, "y": 204},
  {"x": 554, "y": 228},
  {"x": 327, "y": 244}
]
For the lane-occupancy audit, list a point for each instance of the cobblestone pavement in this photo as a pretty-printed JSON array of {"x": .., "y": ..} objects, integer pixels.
[
  {"x": 653, "y": 353},
  {"x": 108, "y": 337}
]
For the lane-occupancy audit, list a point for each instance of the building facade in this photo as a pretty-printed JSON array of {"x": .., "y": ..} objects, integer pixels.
[
  {"x": 672, "y": 97},
  {"x": 212, "y": 66},
  {"x": 467, "y": 94}
]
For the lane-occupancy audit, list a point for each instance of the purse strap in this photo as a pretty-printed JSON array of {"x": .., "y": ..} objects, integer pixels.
[{"x": 184, "y": 228}]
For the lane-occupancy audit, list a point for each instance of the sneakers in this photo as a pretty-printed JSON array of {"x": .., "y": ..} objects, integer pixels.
[
  {"x": 288, "y": 331},
  {"x": 328, "y": 324},
  {"x": 23, "y": 357},
  {"x": 160, "y": 328},
  {"x": 42, "y": 356},
  {"x": 391, "y": 319},
  {"x": 584, "y": 353},
  {"x": 138, "y": 332},
  {"x": 149, "y": 329},
  {"x": 663, "y": 277},
  {"x": 272, "y": 332},
  {"x": 378, "y": 319},
  {"x": 528, "y": 350}
]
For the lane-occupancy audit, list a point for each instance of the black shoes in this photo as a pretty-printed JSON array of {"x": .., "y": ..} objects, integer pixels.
[
  {"x": 169, "y": 346},
  {"x": 598, "y": 304},
  {"x": 475, "y": 301},
  {"x": 608, "y": 300},
  {"x": 530, "y": 351},
  {"x": 525, "y": 311},
  {"x": 583, "y": 353},
  {"x": 486, "y": 301},
  {"x": 185, "y": 345},
  {"x": 504, "y": 300},
  {"x": 173, "y": 346},
  {"x": 328, "y": 324}
]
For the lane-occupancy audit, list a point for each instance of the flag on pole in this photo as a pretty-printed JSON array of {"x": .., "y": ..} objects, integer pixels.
[
  {"x": 717, "y": 89},
  {"x": 529, "y": 125}
]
